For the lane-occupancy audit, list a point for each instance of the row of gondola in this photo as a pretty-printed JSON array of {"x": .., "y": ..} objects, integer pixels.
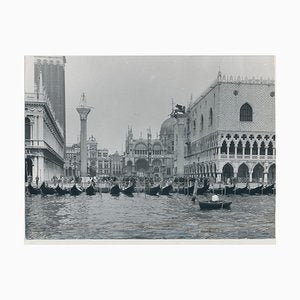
[
  {"x": 229, "y": 190},
  {"x": 153, "y": 191},
  {"x": 91, "y": 190}
]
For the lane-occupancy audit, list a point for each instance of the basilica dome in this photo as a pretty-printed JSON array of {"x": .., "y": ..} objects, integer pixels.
[{"x": 167, "y": 127}]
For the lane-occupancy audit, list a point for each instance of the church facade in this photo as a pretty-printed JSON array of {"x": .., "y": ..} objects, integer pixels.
[
  {"x": 151, "y": 157},
  {"x": 229, "y": 131}
]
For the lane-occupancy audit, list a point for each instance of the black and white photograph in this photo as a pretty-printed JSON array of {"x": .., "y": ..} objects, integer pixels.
[
  {"x": 150, "y": 147},
  {"x": 149, "y": 150}
]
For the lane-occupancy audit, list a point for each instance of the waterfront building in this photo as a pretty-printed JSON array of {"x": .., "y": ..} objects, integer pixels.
[
  {"x": 116, "y": 164},
  {"x": 44, "y": 125},
  {"x": 229, "y": 131},
  {"x": 152, "y": 157},
  {"x": 103, "y": 162},
  {"x": 72, "y": 162},
  {"x": 92, "y": 156}
]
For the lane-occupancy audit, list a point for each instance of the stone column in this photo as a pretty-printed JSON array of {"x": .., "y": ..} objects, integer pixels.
[
  {"x": 251, "y": 152},
  {"x": 235, "y": 151},
  {"x": 83, "y": 113},
  {"x": 219, "y": 177},
  {"x": 227, "y": 151},
  {"x": 243, "y": 151},
  {"x": 250, "y": 176},
  {"x": 265, "y": 177}
]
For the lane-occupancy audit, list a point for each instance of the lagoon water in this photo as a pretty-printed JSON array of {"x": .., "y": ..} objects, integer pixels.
[{"x": 147, "y": 217}]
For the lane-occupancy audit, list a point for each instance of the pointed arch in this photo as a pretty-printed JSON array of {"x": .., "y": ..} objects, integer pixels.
[
  {"x": 246, "y": 113},
  {"x": 247, "y": 148},
  {"x": 243, "y": 173},
  {"x": 258, "y": 173},
  {"x": 227, "y": 172},
  {"x": 270, "y": 148},
  {"x": 255, "y": 148},
  {"x": 240, "y": 148},
  {"x": 231, "y": 147},
  {"x": 224, "y": 148},
  {"x": 262, "y": 150}
]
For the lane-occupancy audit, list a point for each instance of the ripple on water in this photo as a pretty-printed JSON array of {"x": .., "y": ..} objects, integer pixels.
[{"x": 140, "y": 217}]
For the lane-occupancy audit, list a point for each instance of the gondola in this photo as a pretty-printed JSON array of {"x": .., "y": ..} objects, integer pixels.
[
  {"x": 90, "y": 190},
  {"x": 214, "y": 205},
  {"x": 45, "y": 190},
  {"x": 115, "y": 190},
  {"x": 240, "y": 191},
  {"x": 32, "y": 190},
  {"x": 256, "y": 190},
  {"x": 268, "y": 189},
  {"x": 229, "y": 189},
  {"x": 61, "y": 191},
  {"x": 152, "y": 191},
  {"x": 128, "y": 191},
  {"x": 75, "y": 191},
  {"x": 166, "y": 190},
  {"x": 202, "y": 190}
]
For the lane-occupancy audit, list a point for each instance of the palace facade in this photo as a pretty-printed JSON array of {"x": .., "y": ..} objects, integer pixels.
[
  {"x": 151, "y": 157},
  {"x": 44, "y": 132},
  {"x": 229, "y": 131}
]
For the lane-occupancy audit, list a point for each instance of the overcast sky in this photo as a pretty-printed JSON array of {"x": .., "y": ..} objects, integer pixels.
[{"x": 137, "y": 90}]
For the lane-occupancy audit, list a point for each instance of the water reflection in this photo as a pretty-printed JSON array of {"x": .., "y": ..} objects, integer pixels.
[{"x": 140, "y": 217}]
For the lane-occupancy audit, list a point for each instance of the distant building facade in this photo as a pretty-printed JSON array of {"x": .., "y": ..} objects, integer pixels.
[
  {"x": 44, "y": 132},
  {"x": 99, "y": 162},
  {"x": 116, "y": 164},
  {"x": 229, "y": 131},
  {"x": 103, "y": 162},
  {"x": 150, "y": 157}
]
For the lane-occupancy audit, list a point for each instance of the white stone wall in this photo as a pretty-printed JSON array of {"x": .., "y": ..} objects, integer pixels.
[{"x": 258, "y": 96}]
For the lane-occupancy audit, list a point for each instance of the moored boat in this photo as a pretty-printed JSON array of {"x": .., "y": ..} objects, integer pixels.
[
  {"x": 61, "y": 191},
  {"x": 166, "y": 190},
  {"x": 115, "y": 190},
  {"x": 128, "y": 191},
  {"x": 229, "y": 189},
  {"x": 153, "y": 191},
  {"x": 214, "y": 204},
  {"x": 45, "y": 190},
  {"x": 256, "y": 190},
  {"x": 32, "y": 190},
  {"x": 75, "y": 191},
  {"x": 268, "y": 189},
  {"x": 90, "y": 190},
  {"x": 240, "y": 191}
]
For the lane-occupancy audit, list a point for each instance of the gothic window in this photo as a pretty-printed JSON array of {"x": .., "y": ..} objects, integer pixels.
[
  {"x": 270, "y": 149},
  {"x": 255, "y": 148},
  {"x": 27, "y": 129},
  {"x": 210, "y": 117},
  {"x": 224, "y": 148},
  {"x": 240, "y": 148},
  {"x": 202, "y": 122},
  {"x": 247, "y": 148},
  {"x": 246, "y": 113}
]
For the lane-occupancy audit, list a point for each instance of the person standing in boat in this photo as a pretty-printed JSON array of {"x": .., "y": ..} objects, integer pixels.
[{"x": 37, "y": 180}]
